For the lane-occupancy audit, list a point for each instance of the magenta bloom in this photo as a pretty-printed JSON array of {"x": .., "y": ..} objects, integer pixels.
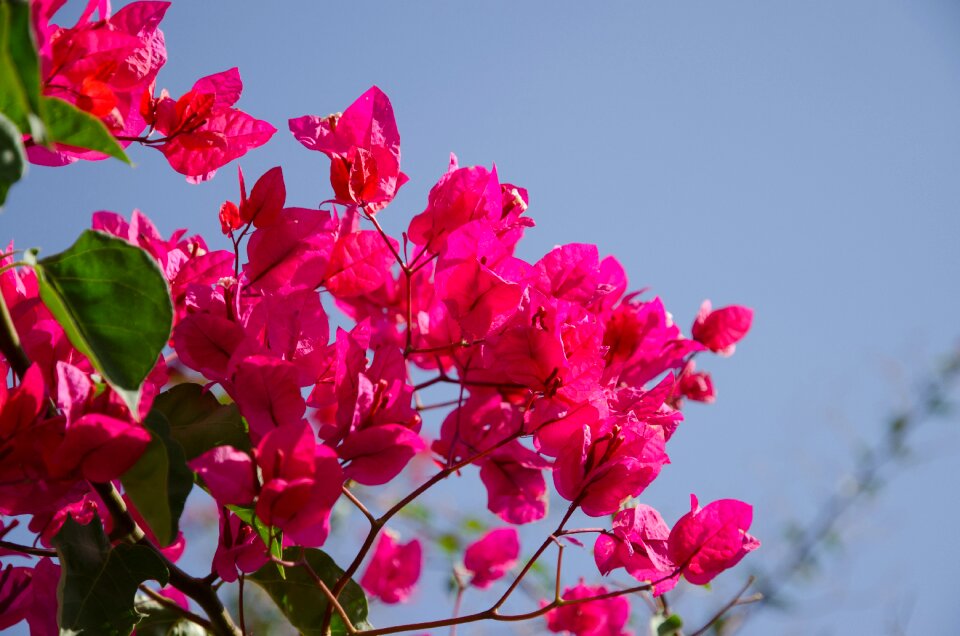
[
  {"x": 394, "y": 570},
  {"x": 720, "y": 330},
  {"x": 230, "y": 475},
  {"x": 202, "y": 131},
  {"x": 696, "y": 385},
  {"x": 638, "y": 543},
  {"x": 25, "y": 594},
  {"x": 240, "y": 548},
  {"x": 707, "y": 541},
  {"x": 492, "y": 556},
  {"x": 363, "y": 144},
  {"x": 592, "y": 618},
  {"x": 601, "y": 468},
  {"x": 301, "y": 482}
]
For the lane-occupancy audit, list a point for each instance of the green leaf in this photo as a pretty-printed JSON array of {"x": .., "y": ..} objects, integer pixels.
[
  {"x": 199, "y": 422},
  {"x": 666, "y": 625},
  {"x": 20, "y": 70},
  {"x": 13, "y": 159},
  {"x": 449, "y": 543},
  {"x": 70, "y": 126},
  {"x": 160, "y": 481},
  {"x": 113, "y": 302},
  {"x": 98, "y": 584},
  {"x": 300, "y": 598}
]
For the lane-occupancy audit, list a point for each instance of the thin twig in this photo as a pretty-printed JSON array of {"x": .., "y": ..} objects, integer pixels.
[
  {"x": 736, "y": 600},
  {"x": 24, "y": 549}
]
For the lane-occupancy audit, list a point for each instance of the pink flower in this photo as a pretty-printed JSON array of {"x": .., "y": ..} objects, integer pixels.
[
  {"x": 26, "y": 593},
  {"x": 602, "y": 468},
  {"x": 394, "y": 570},
  {"x": 230, "y": 475},
  {"x": 460, "y": 196},
  {"x": 638, "y": 543},
  {"x": 364, "y": 149},
  {"x": 301, "y": 483},
  {"x": 98, "y": 448},
  {"x": 722, "y": 329},
  {"x": 605, "y": 617},
  {"x": 707, "y": 541},
  {"x": 240, "y": 548},
  {"x": 492, "y": 556},
  {"x": 100, "y": 66},
  {"x": 202, "y": 131},
  {"x": 696, "y": 385}
]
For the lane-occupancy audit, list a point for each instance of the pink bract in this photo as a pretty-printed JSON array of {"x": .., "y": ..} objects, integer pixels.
[
  {"x": 606, "y": 617},
  {"x": 394, "y": 570},
  {"x": 489, "y": 558}
]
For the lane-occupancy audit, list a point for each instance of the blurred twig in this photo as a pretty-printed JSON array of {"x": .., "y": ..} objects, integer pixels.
[{"x": 891, "y": 450}]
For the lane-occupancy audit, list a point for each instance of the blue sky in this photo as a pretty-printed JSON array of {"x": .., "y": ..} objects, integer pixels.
[{"x": 800, "y": 158}]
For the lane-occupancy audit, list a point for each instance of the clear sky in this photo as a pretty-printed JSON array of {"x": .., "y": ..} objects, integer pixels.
[{"x": 798, "y": 157}]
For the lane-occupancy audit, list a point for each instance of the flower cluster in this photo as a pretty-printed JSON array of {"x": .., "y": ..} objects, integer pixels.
[
  {"x": 558, "y": 373},
  {"x": 108, "y": 67}
]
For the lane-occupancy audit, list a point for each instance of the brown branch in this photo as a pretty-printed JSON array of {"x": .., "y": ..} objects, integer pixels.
[
  {"x": 198, "y": 589},
  {"x": 359, "y": 504},
  {"x": 25, "y": 549},
  {"x": 376, "y": 525},
  {"x": 491, "y": 613}
]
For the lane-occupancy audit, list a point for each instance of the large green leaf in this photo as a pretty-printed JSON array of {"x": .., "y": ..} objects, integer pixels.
[
  {"x": 198, "y": 422},
  {"x": 13, "y": 160},
  {"x": 19, "y": 69},
  {"x": 98, "y": 584},
  {"x": 70, "y": 126},
  {"x": 160, "y": 481},
  {"x": 300, "y": 598},
  {"x": 113, "y": 302}
]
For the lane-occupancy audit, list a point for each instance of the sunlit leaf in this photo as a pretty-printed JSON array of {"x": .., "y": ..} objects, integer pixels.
[{"x": 114, "y": 304}]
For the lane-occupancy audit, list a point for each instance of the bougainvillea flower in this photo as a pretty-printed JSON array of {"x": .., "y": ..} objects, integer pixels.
[
  {"x": 25, "y": 594},
  {"x": 460, "y": 196},
  {"x": 378, "y": 454},
  {"x": 202, "y": 132},
  {"x": 292, "y": 253},
  {"x": 240, "y": 548},
  {"x": 516, "y": 489},
  {"x": 606, "y": 617},
  {"x": 638, "y": 543},
  {"x": 721, "y": 329},
  {"x": 394, "y": 570},
  {"x": 492, "y": 556},
  {"x": 206, "y": 343},
  {"x": 262, "y": 207},
  {"x": 101, "y": 66},
  {"x": 696, "y": 385},
  {"x": 706, "y": 541},
  {"x": 99, "y": 448},
  {"x": 363, "y": 144},
  {"x": 643, "y": 342},
  {"x": 228, "y": 473},
  {"x": 359, "y": 263},
  {"x": 601, "y": 468},
  {"x": 295, "y": 327},
  {"x": 267, "y": 390},
  {"x": 301, "y": 482}
]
